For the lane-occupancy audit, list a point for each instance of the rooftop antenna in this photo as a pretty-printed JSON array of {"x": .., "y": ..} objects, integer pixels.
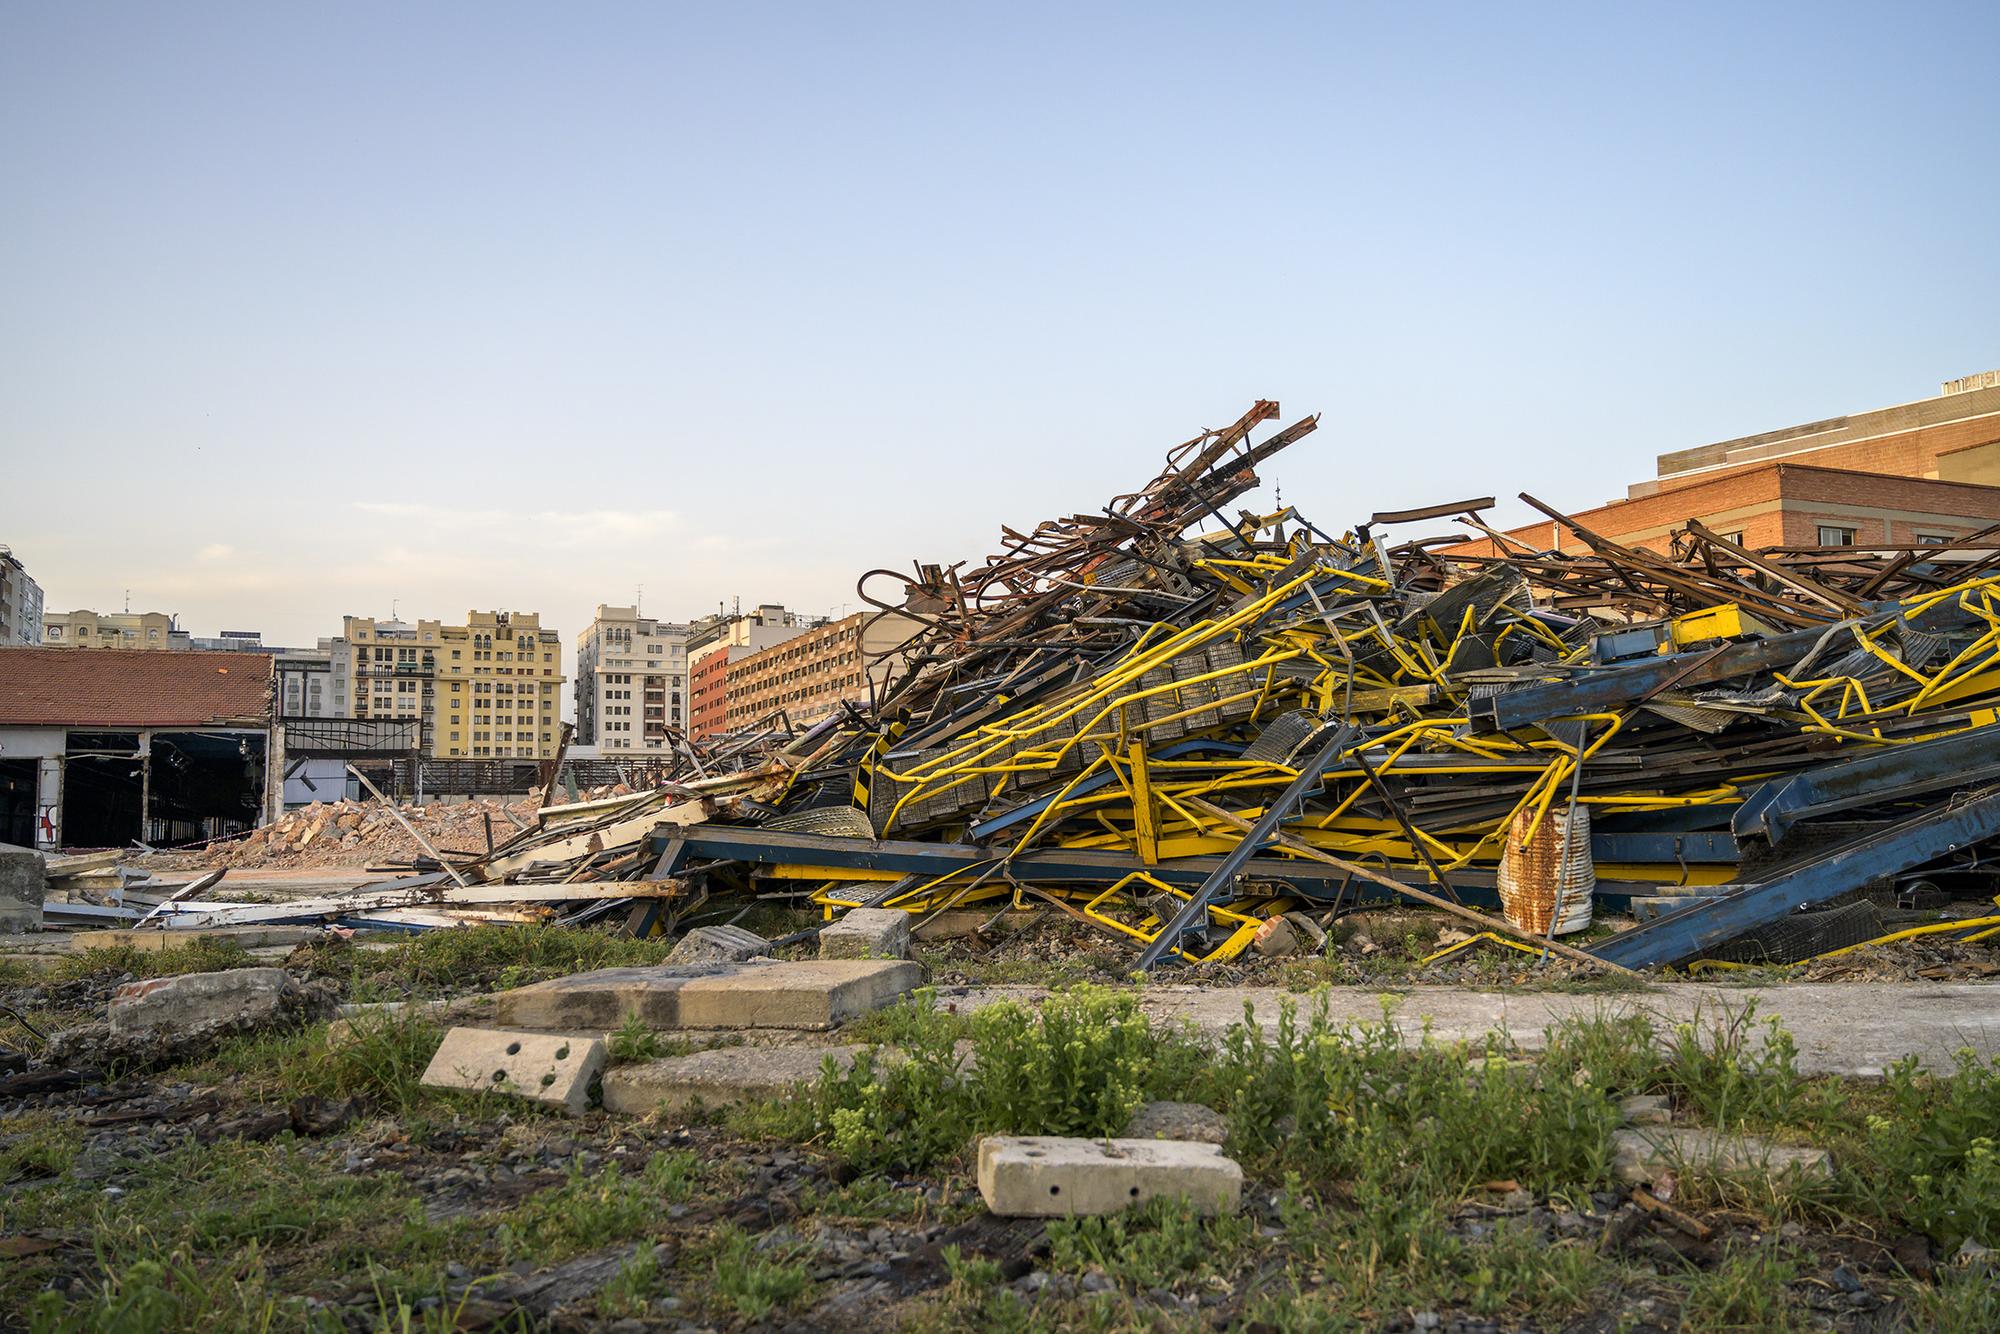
[
  {"x": 639, "y": 598},
  {"x": 392, "y": 610},
  {"x": 128, "y": 602}
]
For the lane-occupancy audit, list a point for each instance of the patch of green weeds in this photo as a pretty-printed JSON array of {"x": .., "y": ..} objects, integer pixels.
[
  {"x": 37, "y": 1145},
  {"x": 589, "y": 1209},
  {"x": 1734, "y": 1071},
  {"x": 1932, "y": 1154},
  {"x": 865, "y": 1199},
  {"x": 1745, "y": 1290},
  {"x": 159, "y": 1291},
  {"x": 495, "y": 958},
  {"x": 1077, "y": 1063},
  {"x": 1395, "y": 1251},
  {"x": 753, "y": 1282},
  {"x": 632, "y": 1289},
  {"x": 200, "y": 955},
  {"x": 1962, "y": 1301},
  {"x": 226, "y": 1235},
  {"x": 914, "y": 1019},
  {"x": 1618, "y": 1053},
  {"x": 380, "y": 1058},
  {"x": 633, "y": 1041},
  {"x": 1360, "y": 1103},
  {"x": 1161, "y": 1243},
  {"x": 974, "y": 1298}
]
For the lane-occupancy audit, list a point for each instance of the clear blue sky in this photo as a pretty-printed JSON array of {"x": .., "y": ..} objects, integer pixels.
[{"x": 308, "y": 308}]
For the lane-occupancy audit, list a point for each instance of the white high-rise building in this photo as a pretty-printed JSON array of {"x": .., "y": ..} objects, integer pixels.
[
  {"x": 631, "y": 682},
  {"x": 20, "y": 603}
]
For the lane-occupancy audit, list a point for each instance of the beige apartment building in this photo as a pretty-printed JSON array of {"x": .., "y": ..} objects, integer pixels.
[
  {"x": 115, "y": 629},
  {"x": 488, "y": 689}
]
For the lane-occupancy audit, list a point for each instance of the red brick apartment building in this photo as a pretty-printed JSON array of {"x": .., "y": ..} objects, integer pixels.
[
  {"x": 708, "y": 693},
  {"x": 1921, "y": 472},
  {"x": 808, "y": 676}
]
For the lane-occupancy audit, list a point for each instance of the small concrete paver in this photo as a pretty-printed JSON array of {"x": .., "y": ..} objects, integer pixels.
[
  {"x": 542, "y": 1067},
  {"x": 1049, "y": 1176}
]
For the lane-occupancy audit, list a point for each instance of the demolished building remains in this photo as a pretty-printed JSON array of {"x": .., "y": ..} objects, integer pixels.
[{"x": 1176, "y": 722}]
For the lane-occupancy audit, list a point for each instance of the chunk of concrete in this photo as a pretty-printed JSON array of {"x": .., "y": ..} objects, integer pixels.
[
  {"x": 1644, "y": 1153},
  {"x": 867, "y": 933},
  {"x": 23, "y": 887},
  {"x": 812, "y": 994},
  {"x": 1288, "y": 933},
  {"x": 1178, "y": 1120},
  {"x": 719, "y": 1078},
  {"x": 1052, "y": 1176},
  {"x": 234, "y": 999},
  {"x": 542, "y": 1067},
  {"x": 1646, "y": 1109},
  {"x": 718, "y": 944}
]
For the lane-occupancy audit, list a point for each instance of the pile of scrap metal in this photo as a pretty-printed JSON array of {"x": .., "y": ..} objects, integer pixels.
[{"x": 1176, "y": 724}]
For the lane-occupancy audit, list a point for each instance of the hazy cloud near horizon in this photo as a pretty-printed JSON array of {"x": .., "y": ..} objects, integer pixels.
[{"x": 316, "y": 311}]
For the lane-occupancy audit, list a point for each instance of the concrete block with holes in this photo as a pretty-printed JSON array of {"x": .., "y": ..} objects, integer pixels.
[
  {"x": 1046, "y": 1176},
  {"x": 545, "y": 1067}
]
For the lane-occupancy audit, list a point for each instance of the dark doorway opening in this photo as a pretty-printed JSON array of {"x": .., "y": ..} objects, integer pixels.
[
  {"x": 204, "y": 785},
  {"x": 17, "y": 802},
  {"x": 103, "y": 790}
]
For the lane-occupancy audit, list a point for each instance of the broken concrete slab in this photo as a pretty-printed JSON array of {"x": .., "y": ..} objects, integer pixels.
[
  {"x": 1644, "y": 1153},
  {"x": 1646, "y": 1109},
  {"x": 722, "y": 1077},
  {"x": 170, "y": 1018},
  {"x": 1049, "y": 1176},
  {"x": 1842, "y": 1028},
  {"x": 233, "y": 998},
  {"x": 541, "y": 1067},
  {"x": 867, "y": 933},
  {"x": 718, "y": 944},
  {"x": 812, "y": 994},
  {"x": 1178, "y": 1120},
  {"x": 23, "y": 887},
  {"x": 248, "y": 937}
]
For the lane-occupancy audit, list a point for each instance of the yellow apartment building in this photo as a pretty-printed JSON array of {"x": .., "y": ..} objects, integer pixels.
[{"x": 488, "y": 689}]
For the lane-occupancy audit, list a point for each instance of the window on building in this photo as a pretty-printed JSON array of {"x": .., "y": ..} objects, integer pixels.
[
  {"x": 1933, "y": 539},
  {"x": 1833, "y": 535},
  {"x": 1734, "y": 539}
]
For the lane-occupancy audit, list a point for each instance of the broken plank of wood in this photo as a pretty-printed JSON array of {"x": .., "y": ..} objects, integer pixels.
[{"x": 191, "y": 916}]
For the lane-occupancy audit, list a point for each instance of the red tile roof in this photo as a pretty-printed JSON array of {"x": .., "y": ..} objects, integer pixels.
[{"x": 110, "y": 687}]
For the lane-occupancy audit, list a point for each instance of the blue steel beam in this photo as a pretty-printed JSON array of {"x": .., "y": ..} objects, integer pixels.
[
  {"x": 1603, "y": 689},
  {"x": 680, "y": 849},
  {"x": 1913, "y": 842},
  {"x": 1887, "y": 773}
]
